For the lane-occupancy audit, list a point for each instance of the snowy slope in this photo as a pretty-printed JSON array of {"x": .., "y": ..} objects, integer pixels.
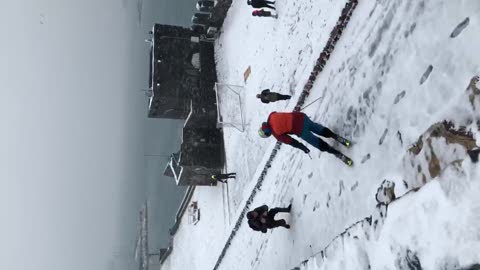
[
  {"x": 280, "y": 53},
  {"x": 435, "y": 228},
  {"x": 371, "y": 86}
]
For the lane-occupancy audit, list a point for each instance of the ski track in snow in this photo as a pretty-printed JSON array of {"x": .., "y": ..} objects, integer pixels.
[{"x": 383, "y": 52}]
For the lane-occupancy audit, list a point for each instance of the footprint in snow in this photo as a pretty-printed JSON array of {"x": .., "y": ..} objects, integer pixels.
[
  {"x": 316, "y": 205},
  {"x": 383, "y": 137},
  {"x": 460, "y": 28},
  {"x": 399, "y": 97},
  {"x": 399, "y": 136},
  {"x": 426, "y": 74},
  {"x": 365, "y": 158},
  {"x": 299, "y": 182},
  {"x": 341, "y": 188},
  {"x": 354, "y": 186}
]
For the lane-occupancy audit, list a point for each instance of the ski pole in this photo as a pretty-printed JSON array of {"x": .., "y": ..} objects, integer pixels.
[
  {"x": 309, "y": 156},
  {"x": 310, "y": 103}
]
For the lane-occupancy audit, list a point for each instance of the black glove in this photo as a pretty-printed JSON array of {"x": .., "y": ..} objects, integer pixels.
[{"x": 300, "y": 146}]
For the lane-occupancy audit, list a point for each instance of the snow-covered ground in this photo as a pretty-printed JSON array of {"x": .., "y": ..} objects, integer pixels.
[
  {"x": 281, "y": 54},
  {"x": 437, "y": 227},
  {"x": 394, "y": 72}
]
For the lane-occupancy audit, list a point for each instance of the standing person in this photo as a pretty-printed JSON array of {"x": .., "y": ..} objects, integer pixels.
[
  {"x": 223, "y": 177},
  {"x": 261, "y": 4},
  {"x": 266, "y": 96},
  {"x": 283, "y": 124},
  {"x": 261, "y": 219},
  {"x": 263, "y": 13}
]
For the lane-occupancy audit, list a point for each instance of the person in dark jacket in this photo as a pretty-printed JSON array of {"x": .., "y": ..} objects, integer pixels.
[
  {"x": 261, "y": 4},
  {"x": 266, "y": 96},
  {"x": 261, "y": 219},
  {"x": 281, "y": 125},
  {"x": 223, "y": 177},
  {"x": 263, "y": 13}
]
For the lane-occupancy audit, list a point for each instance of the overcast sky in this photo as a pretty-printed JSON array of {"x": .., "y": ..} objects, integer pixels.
[{"x": 71, "y": 159}]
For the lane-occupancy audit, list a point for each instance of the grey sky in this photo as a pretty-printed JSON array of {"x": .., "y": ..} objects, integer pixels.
[{"x": 71, "y": 159}]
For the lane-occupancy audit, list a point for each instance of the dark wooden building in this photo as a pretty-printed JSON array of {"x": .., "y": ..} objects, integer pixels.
[
  {"x": 183, "y": 75},
  {"x": 172, "y": 74}
]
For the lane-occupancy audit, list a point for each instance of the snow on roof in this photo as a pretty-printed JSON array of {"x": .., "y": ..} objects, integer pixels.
[
  {"x": 189, "y": 114},
  {"x": 150, "y": 100},
  {"x": 153, "y": 59}
]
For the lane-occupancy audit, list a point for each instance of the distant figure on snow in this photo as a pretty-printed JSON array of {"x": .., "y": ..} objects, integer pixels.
[
  {"x": 223, "y": 177},
  {"x": 261, "y": 219},
  {"x": 261, "y": 4},
  {"x": 266, "y": 96},
  {"x": 281, "y": 125},
  {"x": 263, "y": 13}
]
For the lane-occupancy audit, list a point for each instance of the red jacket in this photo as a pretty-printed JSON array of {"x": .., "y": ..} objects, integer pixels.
[{"x": 283, "y": 124}]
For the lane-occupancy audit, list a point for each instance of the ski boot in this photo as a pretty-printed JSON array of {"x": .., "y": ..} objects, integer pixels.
[
  {"x": 345, "y": 159},
  {"x": 343, "y": 141}
]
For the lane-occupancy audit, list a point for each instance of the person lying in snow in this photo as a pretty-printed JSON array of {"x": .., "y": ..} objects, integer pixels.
[
  {"x": 223, "y": 177},
  {"x": 261, "y": 219},
  {"x": 266, "y": 96},
  {"x": 281, "y": 124},
  {"x": 261, "y": 4},
  {"x": 263, "y": 13}
]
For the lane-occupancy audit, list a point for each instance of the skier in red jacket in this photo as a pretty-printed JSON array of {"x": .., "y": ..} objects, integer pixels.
[{"x": 282, "y": 124}]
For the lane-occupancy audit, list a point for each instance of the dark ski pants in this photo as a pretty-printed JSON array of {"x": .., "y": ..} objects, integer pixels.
[
  {"x": 272, "y": 97},
  {"x": 267, "y": 4},
  {"x": 271, "y": 222},
  {"x": 224, "y": 177},
  {"x": 284, "y": 97},
  {"x": 310, "y": 128}
]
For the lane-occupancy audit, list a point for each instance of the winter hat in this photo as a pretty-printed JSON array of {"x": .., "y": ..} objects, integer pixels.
[
  {"x": 250, "y": 215},
  {"x": 265, "y": 130}
]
